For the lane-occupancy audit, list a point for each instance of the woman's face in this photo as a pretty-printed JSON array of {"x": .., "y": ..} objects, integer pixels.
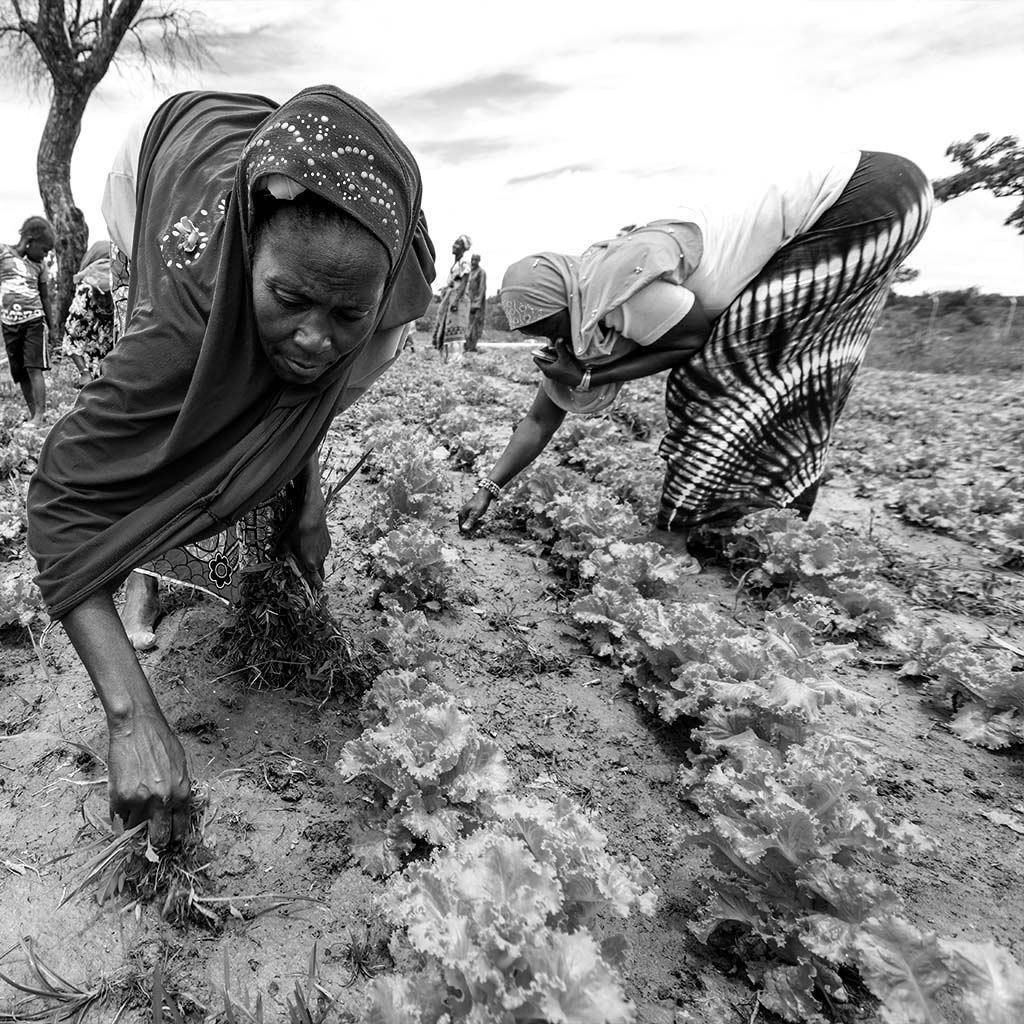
[
  {"x": 551, "y": 327},
  {"x": 316, "y": 291}
]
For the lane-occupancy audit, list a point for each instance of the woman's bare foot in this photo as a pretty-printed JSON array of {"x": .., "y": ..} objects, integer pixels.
[
  {"x": 674, "y": 542},
  {"x": 140, "y": 611}
]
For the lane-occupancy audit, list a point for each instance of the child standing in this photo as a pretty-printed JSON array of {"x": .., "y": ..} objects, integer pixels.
[{"x": 25, "y": 311}]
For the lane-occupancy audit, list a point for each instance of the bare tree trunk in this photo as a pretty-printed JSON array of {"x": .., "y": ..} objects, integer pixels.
[{"x": 53, "y": 166}]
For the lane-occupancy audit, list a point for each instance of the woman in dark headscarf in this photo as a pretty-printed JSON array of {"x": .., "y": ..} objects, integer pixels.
[
  {"x": 760, "y": 308},
  {"x": 277, "y": 254},
  {"x": 89, "y": 327}
]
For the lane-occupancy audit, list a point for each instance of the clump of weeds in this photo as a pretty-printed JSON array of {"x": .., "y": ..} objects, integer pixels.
[
  {"x": 175, "y": 879},
  {"x": 366, "y": 953},
  {"x": 283, "y": 635},
  {"x": 125, "y": 864}
]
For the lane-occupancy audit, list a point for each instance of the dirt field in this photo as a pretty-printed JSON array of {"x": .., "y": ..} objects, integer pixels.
[{"x": 279, "y": 812}]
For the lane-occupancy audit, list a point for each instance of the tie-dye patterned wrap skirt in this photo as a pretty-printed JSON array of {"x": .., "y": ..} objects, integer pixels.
[{"x": 750, "y": 416}]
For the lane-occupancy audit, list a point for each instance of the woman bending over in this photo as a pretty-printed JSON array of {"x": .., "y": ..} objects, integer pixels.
[{"x": 760, "y": 309}]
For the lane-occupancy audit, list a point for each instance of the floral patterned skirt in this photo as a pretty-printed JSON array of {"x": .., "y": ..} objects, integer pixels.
[
  {"x": 217, "y": 566},
  {"x": 89, "y": 328}
]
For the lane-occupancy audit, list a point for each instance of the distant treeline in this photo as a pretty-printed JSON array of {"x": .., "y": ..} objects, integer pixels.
[{"x": 961, "y": 331}]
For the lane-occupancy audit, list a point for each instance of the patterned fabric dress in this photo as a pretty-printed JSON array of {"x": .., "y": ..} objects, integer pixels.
[
  {"x": 89, "y": 328},
  {"x": 453, "y": 313},
  {"x": 751, "y": 415}
]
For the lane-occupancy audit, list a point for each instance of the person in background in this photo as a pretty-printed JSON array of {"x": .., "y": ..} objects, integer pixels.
[
  {"x": 89, "y": 328},
  {"x": 760, "y": 307},
  {"x": 25, "y": 311},
  {"x": 453, "y": 312},
  {"x": 476, "y": 294}
]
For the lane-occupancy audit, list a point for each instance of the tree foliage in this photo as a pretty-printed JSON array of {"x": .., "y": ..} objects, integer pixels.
[
  {"x": 69, "y": 45},
  {"x": 993, "y": 166}
]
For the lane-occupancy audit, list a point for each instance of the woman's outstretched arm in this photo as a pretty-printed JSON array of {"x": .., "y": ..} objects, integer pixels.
[
  {"x": 147, "y": 771},
  {"x": 671, "y": 349},
  {"x": 528, "y": 440}
]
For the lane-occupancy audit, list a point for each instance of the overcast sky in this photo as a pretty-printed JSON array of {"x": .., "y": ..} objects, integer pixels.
[{"x": 548, "y": 124}]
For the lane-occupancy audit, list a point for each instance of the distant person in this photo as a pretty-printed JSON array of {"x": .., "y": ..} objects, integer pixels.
[
  {"x": 476, "y": 294},
  {"x": 760, "y": 307},
  {"x": 25, "y": 311},
  {"x": 453, "y": 311},
  {"x": 89, "y": 328}
]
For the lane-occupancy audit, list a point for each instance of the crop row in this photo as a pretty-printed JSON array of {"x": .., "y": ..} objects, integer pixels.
[{"x": 798, "y": 833}]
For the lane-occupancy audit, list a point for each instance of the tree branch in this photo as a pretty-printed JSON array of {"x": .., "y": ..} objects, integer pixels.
[{"x": 996, "y": 167}]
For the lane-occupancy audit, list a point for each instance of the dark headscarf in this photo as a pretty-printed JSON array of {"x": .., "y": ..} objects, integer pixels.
[{"x": 189, "y": 428}]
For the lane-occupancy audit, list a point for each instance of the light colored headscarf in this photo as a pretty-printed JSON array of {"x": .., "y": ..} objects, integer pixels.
[
  {"x": 535, "y": 288},
  {"x": 95, "y": 266},
  {"x": 608, "y": 274},
  {"x": 467, "y": 242}
]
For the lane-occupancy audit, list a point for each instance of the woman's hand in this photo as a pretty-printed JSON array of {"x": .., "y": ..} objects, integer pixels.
[
  {"x": 84, "y": 377},
  {"x": 474, "y": 510},
  {"x": 148, "y": 777},
  {"x": 564, "y": 368},
  {"x": 305, "y": 537}
]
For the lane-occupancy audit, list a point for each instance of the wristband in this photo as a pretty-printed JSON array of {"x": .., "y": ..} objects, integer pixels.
[
  {"x": 584, "y": 384},
  {"x": 489, "y": 485}
]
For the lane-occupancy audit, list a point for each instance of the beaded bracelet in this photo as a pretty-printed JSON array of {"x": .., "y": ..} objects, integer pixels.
[{"x": 489, "y": 485}]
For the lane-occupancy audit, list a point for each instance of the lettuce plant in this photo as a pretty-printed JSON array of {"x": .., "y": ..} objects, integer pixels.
[
  {"x": 412, "y": 485},
  {"x": 796, "y": 845},
  {"x": 1005, "y": 535},
  {"x": 415, "y": 567},
  {"x": 836, "y": 572},
  {"x": 12, "y": 525},
  {"x": 408, "y": 641},
  {"x": 467, "y": 448},
  {"x": 983, "y": 689},
  {"x": 497, "y": 920},
  {"x": 789, "y": 549},
  {"x": 20, "y": 600},
  {"x": 433, "y": 776},
  {"x": 645, "y": 568}
]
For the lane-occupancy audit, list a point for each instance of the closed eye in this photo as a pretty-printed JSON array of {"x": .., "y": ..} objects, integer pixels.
[
  {"x": 351, "y": 316},
  {"x": 289, "y": 301}
]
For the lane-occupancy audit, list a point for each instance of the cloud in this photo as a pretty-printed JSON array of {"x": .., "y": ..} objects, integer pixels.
[
  {"x": 264, "y": 48},
  {"x": 459, "y": 150},
  {"x": 495, "y": 93},
  {"x": 554, "y": 172}
]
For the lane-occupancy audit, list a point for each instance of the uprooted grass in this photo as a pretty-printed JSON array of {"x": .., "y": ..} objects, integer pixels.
[
  {"x": 47, "y": 996},
  {"x": 283, "y": 635},
  {"x": 174, "y": 879},
  {"x": 126, "y": 865}
]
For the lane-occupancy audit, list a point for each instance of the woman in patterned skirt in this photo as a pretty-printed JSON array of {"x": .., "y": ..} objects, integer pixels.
[
  {"x": 89, "y": 328},
  {"x": 760, "y": 309},
  {"x": 452, "y": 323}
]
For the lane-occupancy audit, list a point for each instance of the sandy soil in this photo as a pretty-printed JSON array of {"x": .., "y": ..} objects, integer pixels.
[{"x": 279, "y": 812}]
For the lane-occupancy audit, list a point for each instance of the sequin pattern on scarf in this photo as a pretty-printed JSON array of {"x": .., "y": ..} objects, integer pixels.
[{"x": 336, "y": 162}]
